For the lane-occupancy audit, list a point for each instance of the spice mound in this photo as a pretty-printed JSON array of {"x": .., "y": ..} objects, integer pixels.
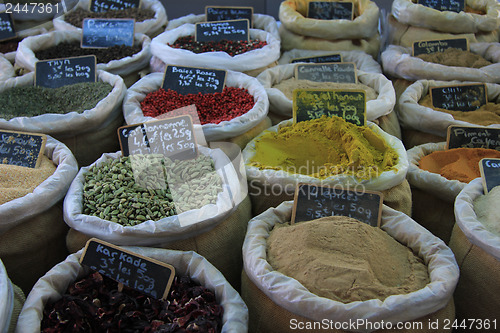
[
  {"x": 76, "y": 17},
  {"x": 487, "y": 211},
  {"x": 455, "y": 57},
  {"x": 73, "y": 49},
  {"x": 9, "y": 45},
  {"x": 29, "y": 101},
  {"x": 325, "y": 147},
  {"x": 289, "y": 85},
  {"x": 93, "y": 304},
  {"x": 460, "y": 164},
  {"x": 487, "y": 114},
  {"x": 345, "y": 260},
  {"x": 136, "y": 188},
  {"x": 17, "y": 181},
  {"x": 213, "y": 108},
  {"x": 229, "y": 46}
]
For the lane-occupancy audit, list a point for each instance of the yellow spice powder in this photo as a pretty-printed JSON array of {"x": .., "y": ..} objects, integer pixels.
[
  {"x": 487, "y": 114},
  {"x": 345, "y": 260},
  {"x": 325, "y": 147},
  {"x": 17, "y": 181}
]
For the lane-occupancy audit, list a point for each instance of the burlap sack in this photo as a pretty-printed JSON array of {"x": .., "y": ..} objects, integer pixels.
[
  {"x": 478, "y": 254},
  {"x": 225, "y": 130},
  {"x": 363, "y": 61},
  {"x": 293, "y": 16},
  {"x": 398, "y": 62},
  {"x": 432, "y": 194},
  {"x": 32, "y": 230},
  {"x": 245, "y": 62},
  {"x": 276, "y": 301},
  {"x": 280, "y": 104},
  {"x": 268, "y": 188},
  {"x": 149, "y": 27},
  {"x": 290, "y": 41},
  {"x": 405, "y": 35},
  {"x": 52, "y": 285},
  {"x": 6, "y": 69},
  {"x": 260, "y": 21},
  {"x": 217, "y": 231},
  {"x": 414, "y": 14},
  {"x": 425, "y": 119},
  {"x": 88, "y": 134},
  {"x": 25, "y": 55}
]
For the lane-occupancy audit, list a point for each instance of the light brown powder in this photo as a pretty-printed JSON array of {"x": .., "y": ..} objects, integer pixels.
[
  {"x": 345, "y": 260},
  {"x": 456, "y": 57}
]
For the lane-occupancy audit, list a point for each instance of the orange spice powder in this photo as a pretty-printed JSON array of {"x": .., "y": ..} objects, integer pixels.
[{"x": 460, "y": 164}]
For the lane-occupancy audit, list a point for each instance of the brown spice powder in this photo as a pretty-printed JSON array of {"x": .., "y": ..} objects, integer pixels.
[
  {"x": 345, "y": 260},
  {"x": 455, "y": 57}
]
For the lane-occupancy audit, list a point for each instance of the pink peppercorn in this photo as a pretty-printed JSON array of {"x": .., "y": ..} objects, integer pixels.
[
  {"x": 212, "y": 108},
  {"x": 231, "y": 47}
]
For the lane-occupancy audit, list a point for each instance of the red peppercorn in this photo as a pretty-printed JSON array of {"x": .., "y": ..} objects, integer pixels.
[
  {"x": 230, "y": 47},
  {"x": 213, "y": 108}
]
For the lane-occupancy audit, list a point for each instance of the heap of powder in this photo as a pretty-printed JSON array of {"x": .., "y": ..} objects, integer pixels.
[
  {"x": 487, "y": 114},
  {"x": 325, "y": 147},
  {"x": 487, "y": 210},
  {"x": 32, "y": 101},
  {"x": 345, "y": 260},
  {"x": 17, "y": 181},
  {"x": 76, "y": 17},
  {"x": 460, "y": 164},
  {"x": 455, "y": 57},
  {"x": 287, "y": 86}
]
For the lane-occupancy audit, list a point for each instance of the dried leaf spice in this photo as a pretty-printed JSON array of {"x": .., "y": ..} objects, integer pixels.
[{"x": 94, "y": 304}]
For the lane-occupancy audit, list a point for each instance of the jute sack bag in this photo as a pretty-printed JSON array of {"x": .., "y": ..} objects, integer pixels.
[
  {"x": 128, "y": 67},
  {"x": 275, "y": 300},
  {"x": 52, "y": 286},
  {"x": 405, "y": 35},
  {"x": 149, "y": 27},
  {"x": 477, "y": 251},
  {"x": 432, "y": 194},
  {"x": 216, "y": 230},
  {"x": 32, "y": 229},
  {"x": 398, "y": 62},
  {"x": 251, "y": 62},
  {"x": 467, "y": 21},
  {"x": 6, "y": 69},
  {"x": 291, "y": 40},
  {"x": 239, "y": 130},
  {"x": 363, "y": 60},
  {"x": 415, "y": 116},
  {"x": 260, "y": 21},
  {"x": 87, "y": 134},
  {"x": 11, "y": 301},
  {"x": 268, "y": 188},
  {"x": 280, "y": 104},
  {"x": 293, "y": 16}
]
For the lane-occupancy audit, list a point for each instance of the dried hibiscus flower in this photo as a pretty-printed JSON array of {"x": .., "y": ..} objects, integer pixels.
[{"x": 94, "y": 304}]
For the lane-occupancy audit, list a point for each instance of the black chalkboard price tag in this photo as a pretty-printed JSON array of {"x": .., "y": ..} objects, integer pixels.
[
  {"x": 343, "y": 72},
  {"x": 99, "y": 6},
  {"x": 172, "y": 137},
  {"x": 102, "y": 33},
  {"x": 334, "y": 57},
  {"x": 313, "y": 202},
  {"x": 21, "y": 148},
  {"x": 444, "y": 5},
  {"x": 314, "y": 103},
  {"x": 235, "y": 30},
  {"x": 490, "y": 173},
  {"x": 472, "y": 137},
  {"x": 193, "y": 80},
  {"x": 56, "y": 73},
  {"x": 330, "y": 10},
  {"x": 228, "y": 13},
  {"x": 7, "y": 29},
  {"x": 463, "y": 97},
  {"x": 439, "y": 45},
  {"x": 146, "y": 275}
]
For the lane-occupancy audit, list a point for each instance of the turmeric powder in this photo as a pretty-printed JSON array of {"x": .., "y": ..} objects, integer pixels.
[
  {"x": 325, "y": 147},
  {"x": 460, "y": 164}
]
